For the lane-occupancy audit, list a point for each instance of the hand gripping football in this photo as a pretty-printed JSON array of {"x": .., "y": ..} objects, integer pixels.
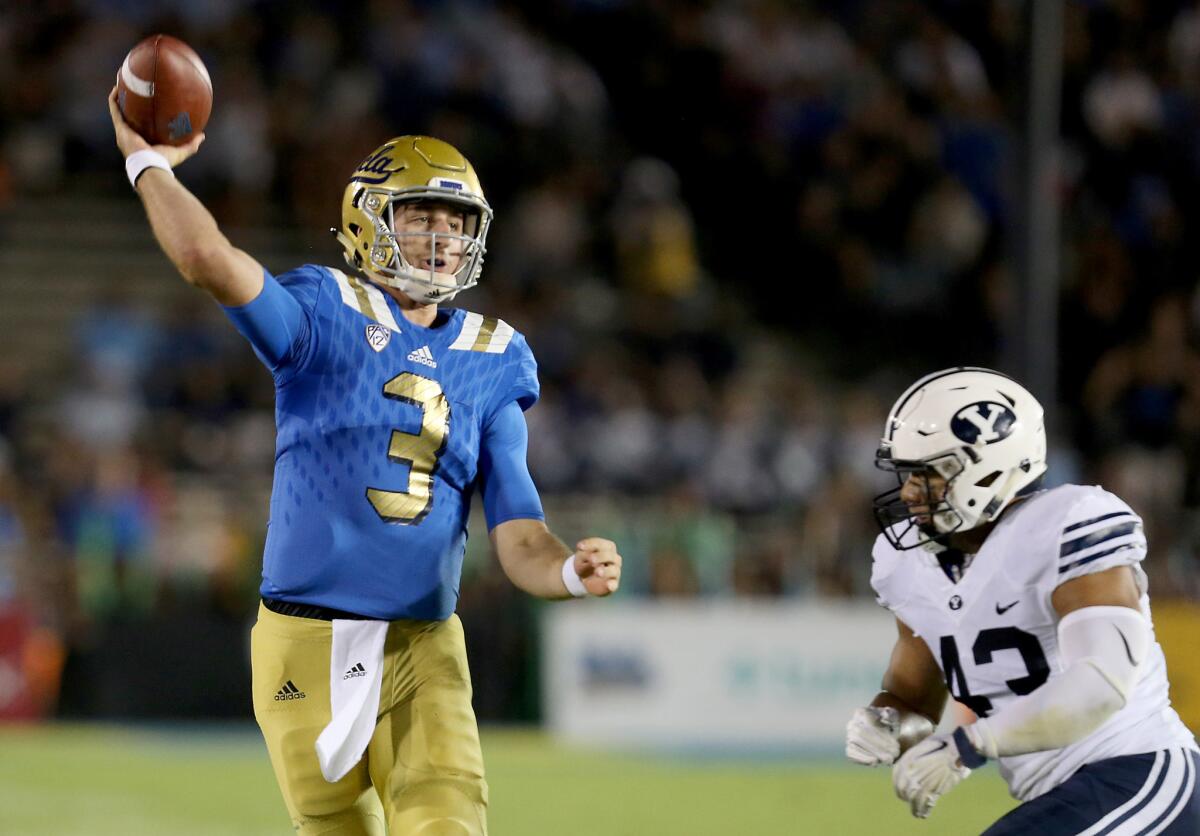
[{"x": 164, "y": 91}]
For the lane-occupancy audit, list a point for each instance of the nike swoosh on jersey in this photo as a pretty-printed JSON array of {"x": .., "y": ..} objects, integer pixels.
[{"x": 1002, "y": 610}]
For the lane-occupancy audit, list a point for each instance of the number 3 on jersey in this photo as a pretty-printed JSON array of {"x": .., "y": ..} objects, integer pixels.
[
  {"x": 420, "y": 451},
  {"x": 987, "y": 643}
]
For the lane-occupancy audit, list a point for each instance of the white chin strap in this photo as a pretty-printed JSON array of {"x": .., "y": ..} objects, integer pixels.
[
  {"x": 933, "y": 546},
  {"x": 421, "y": 285}
]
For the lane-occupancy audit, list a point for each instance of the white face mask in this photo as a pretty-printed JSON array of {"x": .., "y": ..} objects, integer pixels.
[{"x": 387, "y": 264}]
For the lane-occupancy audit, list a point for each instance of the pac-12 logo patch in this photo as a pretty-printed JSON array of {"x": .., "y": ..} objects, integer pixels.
[
  {"x": 378, "y": 337},
  {"x": 985, "y": 422}
]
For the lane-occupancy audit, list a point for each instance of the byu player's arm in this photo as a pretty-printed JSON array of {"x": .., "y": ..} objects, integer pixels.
[
  {"x": 186, "y": 231},
  {"x": 1103, "y": 639},
  {"x": 905, "y": 712},
  {"x": 528, "y": 551},
  {"x": 1115, "y": 587},
  {"x": 913, "y": 682}
]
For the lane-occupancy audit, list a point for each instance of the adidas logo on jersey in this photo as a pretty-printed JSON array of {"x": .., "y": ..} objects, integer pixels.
[
  {"x": 423, "y": 356},
  {"x": 357, "y": 670},
  {"x": 289, "y": 691}
]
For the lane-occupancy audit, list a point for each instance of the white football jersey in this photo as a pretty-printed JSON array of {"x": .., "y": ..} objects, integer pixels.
[{"x": 995, "y": 633}]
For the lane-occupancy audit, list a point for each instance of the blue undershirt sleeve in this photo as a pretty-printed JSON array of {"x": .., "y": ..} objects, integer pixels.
[
  {"x": 508, "y": 489},
  {"x": 274, "y": 322}
]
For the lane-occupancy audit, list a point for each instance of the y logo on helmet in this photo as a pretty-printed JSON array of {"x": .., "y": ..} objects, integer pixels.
[
  {"x": 983, "y": 423},
  {"x": 377, "y": 167}
]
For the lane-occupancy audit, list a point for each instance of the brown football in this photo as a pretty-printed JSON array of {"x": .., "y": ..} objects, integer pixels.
[{"x": 164, "y": 91}]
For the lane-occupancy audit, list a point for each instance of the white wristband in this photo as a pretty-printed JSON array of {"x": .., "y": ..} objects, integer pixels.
[
  {"x": 571, "y": 578},
  {"x": 139, "y": 161}
]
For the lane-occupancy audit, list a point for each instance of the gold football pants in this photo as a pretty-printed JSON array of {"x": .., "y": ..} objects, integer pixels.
[{"x": 422, "y": 773}]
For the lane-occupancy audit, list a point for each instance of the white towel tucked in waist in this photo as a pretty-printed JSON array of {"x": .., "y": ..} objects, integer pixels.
[{"x": 355, "y": 677}]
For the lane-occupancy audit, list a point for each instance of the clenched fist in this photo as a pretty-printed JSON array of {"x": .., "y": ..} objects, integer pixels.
[{"x": 598, "y": 565}]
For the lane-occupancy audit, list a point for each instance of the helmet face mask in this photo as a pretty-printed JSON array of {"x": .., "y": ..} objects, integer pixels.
[
  {"x": 414, "y": 170},
  {"x": 899, "y": 521},
  {"x": 980, "y": 433},
  {"x": 388, "y": 264}
]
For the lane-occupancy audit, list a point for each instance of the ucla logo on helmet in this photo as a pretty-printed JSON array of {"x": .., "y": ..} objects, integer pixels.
[
  {"x": 377, "y": 167},
  {"x": 985, "y": 422}
]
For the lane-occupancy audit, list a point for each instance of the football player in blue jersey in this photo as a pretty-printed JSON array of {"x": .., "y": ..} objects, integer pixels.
[{"x": 390, "y": 411}]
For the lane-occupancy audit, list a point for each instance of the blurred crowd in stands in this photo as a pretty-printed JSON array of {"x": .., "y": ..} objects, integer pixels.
[{"x": 732, "y": 230}]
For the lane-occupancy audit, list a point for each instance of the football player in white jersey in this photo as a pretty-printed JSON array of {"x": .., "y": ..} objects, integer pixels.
[{"x": 1029, "y": 607}]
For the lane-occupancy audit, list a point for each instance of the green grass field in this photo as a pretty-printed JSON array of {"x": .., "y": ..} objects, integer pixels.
[{"x": 103, "y": 780}]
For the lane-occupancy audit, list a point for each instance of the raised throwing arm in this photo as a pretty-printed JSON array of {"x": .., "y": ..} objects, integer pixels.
[{"x": 186, "y": 231}]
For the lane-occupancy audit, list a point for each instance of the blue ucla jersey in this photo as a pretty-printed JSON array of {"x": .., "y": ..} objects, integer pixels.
[{"x": 378, "y": 448}]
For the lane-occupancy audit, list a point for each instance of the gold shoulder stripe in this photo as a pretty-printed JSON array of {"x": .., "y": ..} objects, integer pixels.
[
  {"x": 487, "y": 335},
  {"x": 381, "y": 313},
  {"x": 484, "y": 338},
  {"x": 470, "y": 330},
  {"x": 360, "y": 293},
  {"x": 365, "y": 298},
  {"x": 501, "y": 337}
]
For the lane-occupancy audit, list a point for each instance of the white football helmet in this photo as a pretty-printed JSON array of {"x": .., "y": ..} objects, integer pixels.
[{"x": 978, "y": 429}]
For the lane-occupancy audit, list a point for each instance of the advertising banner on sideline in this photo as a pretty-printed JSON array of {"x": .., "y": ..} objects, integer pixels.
[{"x": 733, "y": 674}]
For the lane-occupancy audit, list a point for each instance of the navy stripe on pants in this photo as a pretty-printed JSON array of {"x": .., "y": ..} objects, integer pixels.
[{"x": 1133, "y": 795}]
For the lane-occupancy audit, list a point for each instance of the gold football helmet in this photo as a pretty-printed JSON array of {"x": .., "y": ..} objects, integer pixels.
[{"x": 414, "y": 169}]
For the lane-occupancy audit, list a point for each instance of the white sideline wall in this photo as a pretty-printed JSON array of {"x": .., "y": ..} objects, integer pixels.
[{"x": 727, "y": 674}]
